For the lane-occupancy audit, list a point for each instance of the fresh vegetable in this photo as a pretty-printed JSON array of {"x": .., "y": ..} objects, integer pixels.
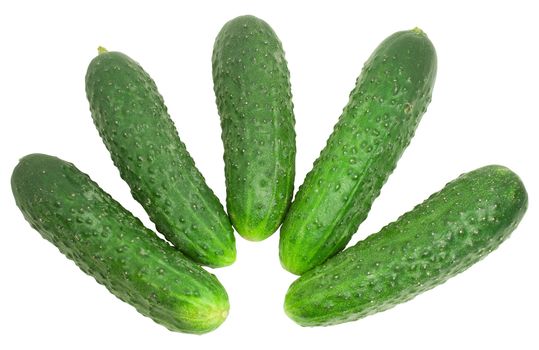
[
  {"x": 133, "y": 122},
  {"x": 384, "y": 109},
  {"x": 107, "y": 242},
  {"x": 252, "y": 87},
  {"x": 443, "y": 236}
]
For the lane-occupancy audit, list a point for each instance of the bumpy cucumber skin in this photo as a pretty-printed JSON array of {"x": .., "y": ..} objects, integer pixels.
[
  {"x": 390, "y": 96},
  {"x": 133, "y": 122},
  {"x": 254, "y": 99},
  {"x": 107, "y": 242},
  {"x": 443, "y": 236}
]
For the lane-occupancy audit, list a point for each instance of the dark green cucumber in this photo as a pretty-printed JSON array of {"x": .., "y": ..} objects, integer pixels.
[
  {"x": 443, "y": 236},
  {"x": 133, "y": 122},
  {"x": 390, "y": 96},
  {"x": 252, "y": 89},
  {"x": 107, "y": 242}
]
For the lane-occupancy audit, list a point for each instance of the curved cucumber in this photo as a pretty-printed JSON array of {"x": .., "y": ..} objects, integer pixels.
[
  {"x": 133, "y": 122},
  {"x": 391, "y": 95},
  {"x": 107, "y": 242},
  {"x": 252, "y": 89},
  {"x": 443, "y": 236}
]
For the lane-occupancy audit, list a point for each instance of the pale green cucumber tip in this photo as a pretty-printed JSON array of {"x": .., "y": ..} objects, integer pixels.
[
  {"x": 101, "y": 50},
  {"x": 205, "y": 321},
  {"x": 290, "y": 267},
  {"x": 296, "y": 271},
  {"x": 253, "y": 237},
  {"x": 253, "y": 234},
  {"x": 227, "y": 259},
  {"x": 221, "y": 314},
  {"x": 289, "y": 310}
]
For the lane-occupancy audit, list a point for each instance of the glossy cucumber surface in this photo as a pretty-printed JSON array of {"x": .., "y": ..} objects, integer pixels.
[
  {"x": 450, "y": 231},
  {"x": 108, "y": 243},
  {"x": 254, "y": 99},
  {"x": 133, "y": 122},
  {"x": 377, "y": 124}
]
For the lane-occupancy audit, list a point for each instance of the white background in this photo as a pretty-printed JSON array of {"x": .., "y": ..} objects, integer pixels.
[{"x": 484, "y": 110}]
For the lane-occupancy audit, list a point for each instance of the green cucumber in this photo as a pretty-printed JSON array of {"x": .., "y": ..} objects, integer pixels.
[
  {"x": 384, "y": 109},
  {"x": 107, "y": 242},
  {"x": 443, "y": 236},
  {"x": 253, "y": 94},
  {"x": 133, "y": 122}
]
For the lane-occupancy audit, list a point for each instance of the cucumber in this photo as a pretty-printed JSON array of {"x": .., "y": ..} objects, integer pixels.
[
  {"x": 107, "y": 242},
  {"x": 133, "y": 122},
  {"x": 390, "y": 96},
  {"x": 253, "y": 94},
  {"x": 443, "y": 236}
]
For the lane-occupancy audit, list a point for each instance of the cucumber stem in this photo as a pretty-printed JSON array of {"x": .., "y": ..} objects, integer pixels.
[{"x": 418, "y": 30}]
